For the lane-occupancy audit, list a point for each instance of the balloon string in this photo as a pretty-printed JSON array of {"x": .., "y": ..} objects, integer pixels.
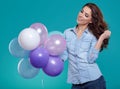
[{"x": 42, "y": 83}]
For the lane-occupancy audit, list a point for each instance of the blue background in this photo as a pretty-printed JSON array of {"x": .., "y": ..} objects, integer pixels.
[{"x": 57, "y": 15}]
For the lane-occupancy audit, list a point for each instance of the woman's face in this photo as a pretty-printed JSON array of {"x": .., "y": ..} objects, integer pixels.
[{"x": 84, "y": 16}]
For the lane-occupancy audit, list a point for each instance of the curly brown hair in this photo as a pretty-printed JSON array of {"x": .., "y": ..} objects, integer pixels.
[{"x": 98, "y": 25}]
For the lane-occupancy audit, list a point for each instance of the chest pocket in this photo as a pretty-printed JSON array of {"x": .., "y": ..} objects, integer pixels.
[{"x": 85, "y": 44}]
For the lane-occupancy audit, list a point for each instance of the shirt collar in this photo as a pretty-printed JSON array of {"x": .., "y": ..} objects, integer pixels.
[{"x": 86, "y": 30}]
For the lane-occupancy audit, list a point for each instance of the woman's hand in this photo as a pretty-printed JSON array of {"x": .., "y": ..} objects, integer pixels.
[
  {"x": 106, "y": 34},
  {"x": 103, "y": 36}
]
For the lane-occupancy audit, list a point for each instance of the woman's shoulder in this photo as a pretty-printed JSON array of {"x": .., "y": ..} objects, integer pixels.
[
  {"x": 91, "y": 35},
  {"x": 69, "y": 30}
]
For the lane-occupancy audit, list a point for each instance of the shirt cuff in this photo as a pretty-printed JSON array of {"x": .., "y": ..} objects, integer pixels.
[{"x": 96, "y": 51}]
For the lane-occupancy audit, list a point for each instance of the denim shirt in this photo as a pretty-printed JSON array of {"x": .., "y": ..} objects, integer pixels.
[{"x": 81, "y": 56}]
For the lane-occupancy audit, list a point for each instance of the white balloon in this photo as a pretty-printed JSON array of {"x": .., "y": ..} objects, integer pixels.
[{"x": 29, "y": 39}]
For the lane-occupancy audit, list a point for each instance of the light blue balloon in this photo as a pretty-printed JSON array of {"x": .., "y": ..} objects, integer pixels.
[
  {"x": 16, "y": 50},
  {"x": 55, "y": 32},
  {"x": 26, "y": 70}
]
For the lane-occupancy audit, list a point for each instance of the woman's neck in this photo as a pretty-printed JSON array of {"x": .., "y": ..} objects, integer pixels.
[{"x": 81, "y": 27}]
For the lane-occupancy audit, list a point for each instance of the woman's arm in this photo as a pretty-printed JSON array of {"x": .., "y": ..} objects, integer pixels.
[
  {"x": 105, "y": 35},
  {"x": 95, "y": 47}
]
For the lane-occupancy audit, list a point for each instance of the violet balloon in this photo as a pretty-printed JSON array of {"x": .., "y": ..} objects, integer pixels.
[
  {"x": 55, "y": 44},
  {"x": 42, "y": 30},
  {"x": 54, "y": 67},
  {"x": 39, "y": 57}
]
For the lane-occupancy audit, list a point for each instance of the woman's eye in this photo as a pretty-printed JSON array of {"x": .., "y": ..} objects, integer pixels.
[
  {"x": 81, "y": 11},
  {"x": 86, "y": 15}
]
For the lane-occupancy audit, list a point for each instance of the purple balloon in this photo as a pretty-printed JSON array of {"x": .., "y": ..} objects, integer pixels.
[
  {"x": 54, "y": 67},
  {"x": 55, "y": 44},
  {"x": 39, "y": 57},
  {"x": 42, "y": 30}
]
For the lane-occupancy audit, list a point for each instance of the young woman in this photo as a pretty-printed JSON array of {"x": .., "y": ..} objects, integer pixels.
[{"x": 84, "y": 42}]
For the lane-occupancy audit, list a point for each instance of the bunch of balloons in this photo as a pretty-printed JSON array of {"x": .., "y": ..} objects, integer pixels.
[{"x": 38, "y": 51}]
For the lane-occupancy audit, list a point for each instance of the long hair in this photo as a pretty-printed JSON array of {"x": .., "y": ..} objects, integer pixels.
[{"x": 98, "y": 25}]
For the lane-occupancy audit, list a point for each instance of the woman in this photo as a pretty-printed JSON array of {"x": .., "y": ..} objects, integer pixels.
[{"x": 84, "y": 42}]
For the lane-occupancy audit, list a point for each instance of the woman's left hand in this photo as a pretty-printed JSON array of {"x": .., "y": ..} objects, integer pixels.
[{"x": 106, "y": 34}]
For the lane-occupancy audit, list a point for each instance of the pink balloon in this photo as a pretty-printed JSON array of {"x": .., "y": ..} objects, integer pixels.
[
  {"x": 55, "y": 44},
  {"x": 42, "y": 30}
]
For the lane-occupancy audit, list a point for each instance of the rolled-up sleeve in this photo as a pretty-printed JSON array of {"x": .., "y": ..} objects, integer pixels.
[
  {"x": 93, "y": 52},
  {"x": 64, "y": 55}
]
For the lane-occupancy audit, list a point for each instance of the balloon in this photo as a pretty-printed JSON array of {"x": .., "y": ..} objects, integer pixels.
[
  {"x": 55, "y": 44},
  {"x": 42, "y": 30},
  {"x": 54, "y": 66},
  {"x": 16, "y": 50},
  {"x": 26, "y": 70},
  {"x": 29, "y": 39},
  {"x": 39, "y": 57}
]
